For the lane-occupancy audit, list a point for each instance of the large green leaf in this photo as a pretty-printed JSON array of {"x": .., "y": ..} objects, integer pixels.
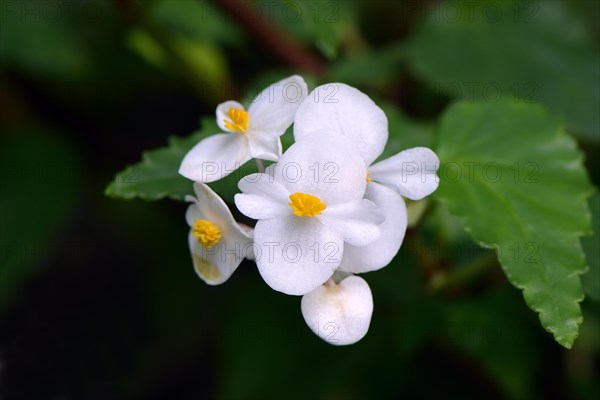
[
  {"x": 517, "y": 182},
  {"x": 156, "y": 176},
  {"x": 529, "y": 51},
  {"x": 591, "y": 245}
]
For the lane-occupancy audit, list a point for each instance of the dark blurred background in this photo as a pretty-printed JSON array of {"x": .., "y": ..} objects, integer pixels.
[{"x": 98, "y": 297}]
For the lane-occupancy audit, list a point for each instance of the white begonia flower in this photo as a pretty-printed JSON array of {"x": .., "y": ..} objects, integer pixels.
[
  {"x": 217, "y": 242},
  {"x": 307, "y": 206},
  {"x": 339, "y": 314},
  {"x": 410, "y": 173},
  {"x": 250, "y": 134},
  {"x": 380, "y": 253}
]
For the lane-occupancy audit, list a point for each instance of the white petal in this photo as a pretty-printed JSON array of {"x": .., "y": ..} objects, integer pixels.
[
  {"x": 264, "y": 146},
  {"x": 259, "y": 207},
  {"x": 209, "y": 206},
  {"x": 215, "y": 265},
  {"x": 262, "y": 197},
  {"x": 264, "y": 183},
  {"x": 412, "y": 172},
  {"x": 339, "y": 314},
  {"x": 295, "y": 255},
  {"x": 326, "y": 165},
  {"x": 215, "y": 157},
  {"x": 273, "y": 110},
  {"x": 223, "y": 109},
  {"x": 346, "y": 110},
  {"x": 356, "y": 222},
  {"x": 381, "y": 252},
  {"x": 248, "y": 231},
  {"x": 193, "y": 212}
]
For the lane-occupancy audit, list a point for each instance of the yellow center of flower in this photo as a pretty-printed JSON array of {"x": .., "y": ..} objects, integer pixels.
[
  {"x": 368, "y": 177},
  {"x": 239, "y": 120},
  {"x": 208, "y": 234},
  {"x": 306, "y": 205}
]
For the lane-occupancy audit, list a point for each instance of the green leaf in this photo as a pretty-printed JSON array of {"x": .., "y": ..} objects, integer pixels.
[
  {"x": 39, "y": 177},
  {"x": 591, "y": 245},
  {"x": 156, "y": 176},
  {"x": 517, "y": 182},
  {"x": 527, "y": 51},
  {"x": 327, "y": 40}
]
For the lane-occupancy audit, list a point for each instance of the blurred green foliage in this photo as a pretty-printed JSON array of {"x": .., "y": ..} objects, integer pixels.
[
  {"x": 532, "y": 51},
  {"x": 34, "y": 162},
  {"x": 38, "y": 44},
  {"x": 98, "y": 298}
]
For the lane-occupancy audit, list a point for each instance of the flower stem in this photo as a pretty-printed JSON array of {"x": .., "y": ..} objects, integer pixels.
[
  {"x": 260, "y": 164},
  {"x": 275, "y": 40}
]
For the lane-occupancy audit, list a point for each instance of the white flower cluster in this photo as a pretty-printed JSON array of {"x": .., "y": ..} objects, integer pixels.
[{"x": 325, "y": 209}]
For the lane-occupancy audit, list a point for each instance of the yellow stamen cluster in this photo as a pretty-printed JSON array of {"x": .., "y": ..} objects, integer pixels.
[
  {"x": 239, "y": 120},
  {"x": 306, "y": 205},
  {"x": 368, "y": 177},
  {"x": 208, "y": 234}
]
